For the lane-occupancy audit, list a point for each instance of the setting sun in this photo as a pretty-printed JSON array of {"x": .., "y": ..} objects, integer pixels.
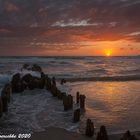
[{"x": 108, "y": 53}]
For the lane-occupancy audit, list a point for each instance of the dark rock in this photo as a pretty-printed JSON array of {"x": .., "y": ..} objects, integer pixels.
[
  {"x": 27, "y": 78},
  {"x": 16, "y": 83},
  {"x": 76, "y": 115},
  {"x": 34, "y": 83},
  {"x": 63, "y": 81},
  {"x": 102, "y": 134},
  {"x": 26, "y": 66},
  {"x": 16, "y": 78},
  {"x": 89, "y": 128},
  {"x": 37, "y": 68}
]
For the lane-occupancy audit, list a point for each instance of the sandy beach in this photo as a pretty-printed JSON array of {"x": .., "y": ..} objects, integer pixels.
[{"x": 53, "y": 133}]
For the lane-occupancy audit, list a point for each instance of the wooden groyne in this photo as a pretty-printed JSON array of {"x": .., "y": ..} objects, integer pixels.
[{"x": 19, "y": 83}]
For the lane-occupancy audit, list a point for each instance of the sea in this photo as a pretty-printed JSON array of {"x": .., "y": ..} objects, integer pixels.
[{"x": 111, "y": 86}]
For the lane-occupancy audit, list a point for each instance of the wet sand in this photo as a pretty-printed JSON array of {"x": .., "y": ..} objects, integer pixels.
[{"x": 61, "y": 134}]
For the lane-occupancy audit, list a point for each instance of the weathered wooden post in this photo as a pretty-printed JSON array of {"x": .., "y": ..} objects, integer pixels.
[
  {"x": 42, "y": 80},
  {"x": 65, "y": 103},
  {"x": 7, "y": 91},
  {"x": 4, "y": 103},
  {"x": 54, "y": 90},
  {"x": 48, "y": 83},
  {"x": 102, "y": 134},
  {"x": 53, "y": 81},
  {"x": 128, "y": 136},
  {"x": 60, "y": 94},
  {"x": 76, "y": 115},
  {"x": 77, "y": 97},
  {"x": 89, "y": 128},
  {"x": 70, "y": 101},
  {"x": 1, "y": 107},
  {"x": 82, "y": 101}
]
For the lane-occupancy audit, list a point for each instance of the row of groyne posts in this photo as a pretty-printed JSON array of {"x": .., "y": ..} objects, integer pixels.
[{"x": 28, "y": 82}]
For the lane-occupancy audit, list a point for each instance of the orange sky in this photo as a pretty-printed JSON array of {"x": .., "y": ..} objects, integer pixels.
[
  {"x": 70, "y": 28},
  {"x": 101, "y": 48}
]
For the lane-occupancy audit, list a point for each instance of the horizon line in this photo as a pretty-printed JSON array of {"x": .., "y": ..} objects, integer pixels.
[{"x": 68, "y": 55}]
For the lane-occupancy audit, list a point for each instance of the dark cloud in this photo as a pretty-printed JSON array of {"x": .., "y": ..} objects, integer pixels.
[
  {"x": 64, "y": 23},
  {"x": 49, "y": 12}
]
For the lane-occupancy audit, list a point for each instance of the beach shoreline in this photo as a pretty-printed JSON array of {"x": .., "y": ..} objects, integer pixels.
[{"x": 53, "y": 133}]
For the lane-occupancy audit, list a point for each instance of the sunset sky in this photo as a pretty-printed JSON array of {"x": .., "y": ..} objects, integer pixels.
[{"x": 70, "y": 27}]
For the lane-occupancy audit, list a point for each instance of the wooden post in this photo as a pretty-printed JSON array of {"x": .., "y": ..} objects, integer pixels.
[
  {"x": 76, "y": 115},
  {"x": 102, "y": 134},
  {"x": 53, "y": 81},
  {"x": 65, "y": 103},
  {"x": 7, "y": 91},
  {"x": 89, "y": 128},
  {"x": 4, "y": 103},
  {"x": 82, "y": 101},
  {"x": 1, "y": 107},
  {"x": 68, "y": 102},
  {"x": 77, "y": 97}
]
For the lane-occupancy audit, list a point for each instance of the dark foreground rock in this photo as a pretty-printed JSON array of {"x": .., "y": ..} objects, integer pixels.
[{"x": 34, "y": 67}]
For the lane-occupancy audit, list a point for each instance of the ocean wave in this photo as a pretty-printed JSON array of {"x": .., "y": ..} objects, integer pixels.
[
  {"x": 4, "y": 78},
  {"x": 111, "y": 78}
]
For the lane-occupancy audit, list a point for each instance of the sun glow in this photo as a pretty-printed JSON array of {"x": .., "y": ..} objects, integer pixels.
[{"x": 108, "y": 53}]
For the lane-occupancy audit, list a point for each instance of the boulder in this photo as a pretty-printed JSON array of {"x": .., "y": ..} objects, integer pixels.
[
  {"x": 25, "y": 66},
  {"x": 17, "y": 84},
  {"x": 63, "y": 81},
  {"x": 16, "y": 78},
  {"x": 27, "y": 78},
  {"x": 37, "y": 68}
]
